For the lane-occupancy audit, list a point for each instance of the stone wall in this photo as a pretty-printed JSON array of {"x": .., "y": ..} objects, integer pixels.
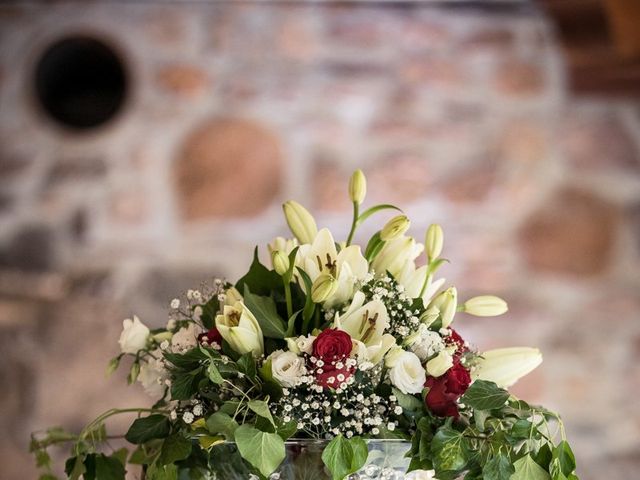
[{"x": 461, "y": 116}]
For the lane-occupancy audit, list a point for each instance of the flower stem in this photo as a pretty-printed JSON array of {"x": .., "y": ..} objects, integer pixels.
[{"x": 354, "y": 223}]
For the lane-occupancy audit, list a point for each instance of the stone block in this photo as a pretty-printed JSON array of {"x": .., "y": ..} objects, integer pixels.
[
  {"x": 517, "y": 78},
  {"x": 32, "y": 248},
  {"x": 187, "y": 81}
]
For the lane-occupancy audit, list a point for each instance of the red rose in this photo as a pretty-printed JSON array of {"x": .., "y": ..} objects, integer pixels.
[
  {"x": 455, "y": 339},
  {"x": 332, "y": 346},
  {"x": 209, "y": 337},
  {"x": 445, "y": 390}
]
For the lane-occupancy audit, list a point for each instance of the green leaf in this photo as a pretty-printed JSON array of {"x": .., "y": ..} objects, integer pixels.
[
  {"x": 222, "y": 423},
  {"x": 480, "y": 417},
  {"x": 74, "y": 467},
  {"x": 261, "y": 408},
  {"x": 265, "y": 370},
  {"x": 264, "y": 309},
  {"x": 47, "y": 476},
  {"x": 247, "y": 365},
  {"x": 109, "y": 468},
  {"x": 376, "y": 208},
  {"x": 259, "y": 278},
  {"x": 309, "y": 306},
  {"x": 344, "y": 456},
  {"x": 291, "y": 324},
  {"x": 484, "y": 395},
  {"x": 409, "y": 403},
  {"x": 121, "y": 454},
  {"x": 449, "y": 450},
  {"x": 209, "y": 312},
  {"x": 498, "y": 468},
  {"x": 373, "y": 247},
  {"x": 162, "y": 472},
  {"x": 265, "y": 451},
  {"x": 175, "y": 447},
  {"x": 214, "y": 374},
  {"x": 148, "y": 428},
  {"x": 286, "y": 430},
  {"x": 563, "y": 453},
  {"x": 527, "y": 469},
  {"x": 522, "y": 429}
]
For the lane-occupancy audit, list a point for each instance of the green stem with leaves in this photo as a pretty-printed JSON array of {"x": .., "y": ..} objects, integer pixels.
[{"x": 354, "y": 223}]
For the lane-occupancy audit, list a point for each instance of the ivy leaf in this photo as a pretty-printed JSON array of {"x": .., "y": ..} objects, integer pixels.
[
  {"x": 484, "y": 395},
  {"x": 409, "y": 403},
  {"x": 222, "y": 423},
  {"x": 498, "y": 468},
  {"x": 109, "y": 468},
  {"x": 209, "y": 312},
  {"x": 247, "y": 365},
  {"x": 185, "y": 385},
  {"x": 261, "y": 408},
  {"x": 175, "y": 447},
  {"x": 527, "y": 469},
  {"x": 162, "y": 472},
  {"x": 214, "y": 374},
  {"x": 449, "y": 450},
  {"x": 522, "y": 429},
  {"x": 259, "y": 278},
  {"x": 286, "y": 430},
  {"x": 344, "y": 456},
  {"x": 74, "y": 467},
  {"x": 563, "y": 453},
  {"x": 148, "y": 428},
  {"x": 265, "y": 451},
  {"x": 264, "y": 309}
]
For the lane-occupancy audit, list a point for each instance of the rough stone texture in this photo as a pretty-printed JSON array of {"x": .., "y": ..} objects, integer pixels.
[
  {"x": 459, "y": 116},
  {"x": 573, "y": 233},
  {"x": 209, "y": 184}
]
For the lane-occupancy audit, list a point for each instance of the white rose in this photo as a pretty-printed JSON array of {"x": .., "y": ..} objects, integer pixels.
[
  {"x": 185, "y": 338},
  {"x": 287, "y": 368},
  {"x": 152, "y": 375},
  {"x": 439, "y": 364},
  {"x": 406, "y": 372},
  {"x": 134, "y": 335},
  {"x": 301, "y": 344}
]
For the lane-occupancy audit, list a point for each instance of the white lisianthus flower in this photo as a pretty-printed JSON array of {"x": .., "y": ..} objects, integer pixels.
[
  {"x": 186, "y": 338},
  {"x": 395, "y": 255},
  {"x": 366, "y": 324},
  {"x": 425, "y": 343},
  {"x": 153, "y": 375},
  {"x": 439, "y": 364},
  {"x": 322, "y": 258},
  {"x": 505, "y": 366},
  {"x": 239, "y": 327},
  {"x": 287, "y": 368},
  {"x": 405, "y": 371},
  {"x": 134, "y": 335},
  {"x": 301, "y": 344}
]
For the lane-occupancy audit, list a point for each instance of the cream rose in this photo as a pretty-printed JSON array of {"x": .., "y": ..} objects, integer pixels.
[
  {"x": 134, "y": 335},
  {"x": 405, "y": 371},
  {"x": 287, "y": 368},
  {"x": 153, "y": 375},
  {"x": 301, "y": 344}
]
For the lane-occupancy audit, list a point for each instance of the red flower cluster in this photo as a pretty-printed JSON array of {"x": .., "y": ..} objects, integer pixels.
[
  {"x": 332, "y": 346},
  {"x": 210, "y": 337},
  {"x": 446, "y": 389}
]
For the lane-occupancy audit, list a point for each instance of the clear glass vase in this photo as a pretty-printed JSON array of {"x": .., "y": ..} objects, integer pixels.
[{"x": 303, "y": 461}]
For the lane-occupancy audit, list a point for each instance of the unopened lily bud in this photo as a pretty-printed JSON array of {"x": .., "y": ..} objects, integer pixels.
[
  {"x": 162, "y": 336},
  {"x": 505, "y": 366},
  {"x": 357, "y": 187},
  {"x": 433, "y": 241},
  {"x": 485, "y": 306},
  {"x": 280, "y": 262},
  {"x": 300, "y": 221},
  {"x": 323, "y": 288},
  {"x": 429, "y": 316},
  {"x": 439, "y": 364},
  {"x": 446, "y": 302},
  {"x": 395, "y": 228}
]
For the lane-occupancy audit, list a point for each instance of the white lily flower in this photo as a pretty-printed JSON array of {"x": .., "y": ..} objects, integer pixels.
[
  {"x": 239, "y": 327},
  {"x": 395, "y": 255},
  {"x": 446, "y": 302},
  {"x": 412, "y": 279},
  {"x": 505, "y": 366},
  {"x": 347, "y": 267}
]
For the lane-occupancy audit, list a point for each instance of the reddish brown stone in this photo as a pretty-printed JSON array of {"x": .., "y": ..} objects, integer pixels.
[
  {"x": 523, "y": 142},
  {"x": 437, "y": 72},
  {"x": 597, "y": 140},
  {"x": 573, "y": 233},
  {"x": 473, "y": 185},
  {"x": 228, "y": 168},
  {"x": 183, "y": 80},
  {"x": 519, "y": 78},
  {"x": 330, "y": 187},
  {"x": 400, "y": 178}
]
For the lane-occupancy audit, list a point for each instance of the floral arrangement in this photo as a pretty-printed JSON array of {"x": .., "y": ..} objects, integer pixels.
[{"x": 333, "y": 342}]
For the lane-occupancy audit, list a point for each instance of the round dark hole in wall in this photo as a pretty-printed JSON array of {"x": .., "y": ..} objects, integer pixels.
[{"x": 80, "y": 82}]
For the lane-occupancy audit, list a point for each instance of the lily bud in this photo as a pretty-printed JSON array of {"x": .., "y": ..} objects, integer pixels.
[
  {"x": 162, "y": 336},
  {"x": 280, "y": 262},
  {"x": 357, "y": 187},
  {"x": 323, "y": 288},
  {"x": 446, "y": 302},
  {"x": 439, "y": 364},
  {"x": 433, "y": 241},
  {"x": 300, "y": 221},
  {"x": 505, "y": 366},
  {"x": 429, "y": 316},
  {"x": 485, "y": 306},
  {"x": 395, "y": 228}
]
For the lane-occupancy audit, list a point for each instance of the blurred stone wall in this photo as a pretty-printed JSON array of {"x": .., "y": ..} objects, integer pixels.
[{"x": 460, "y": 116}]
